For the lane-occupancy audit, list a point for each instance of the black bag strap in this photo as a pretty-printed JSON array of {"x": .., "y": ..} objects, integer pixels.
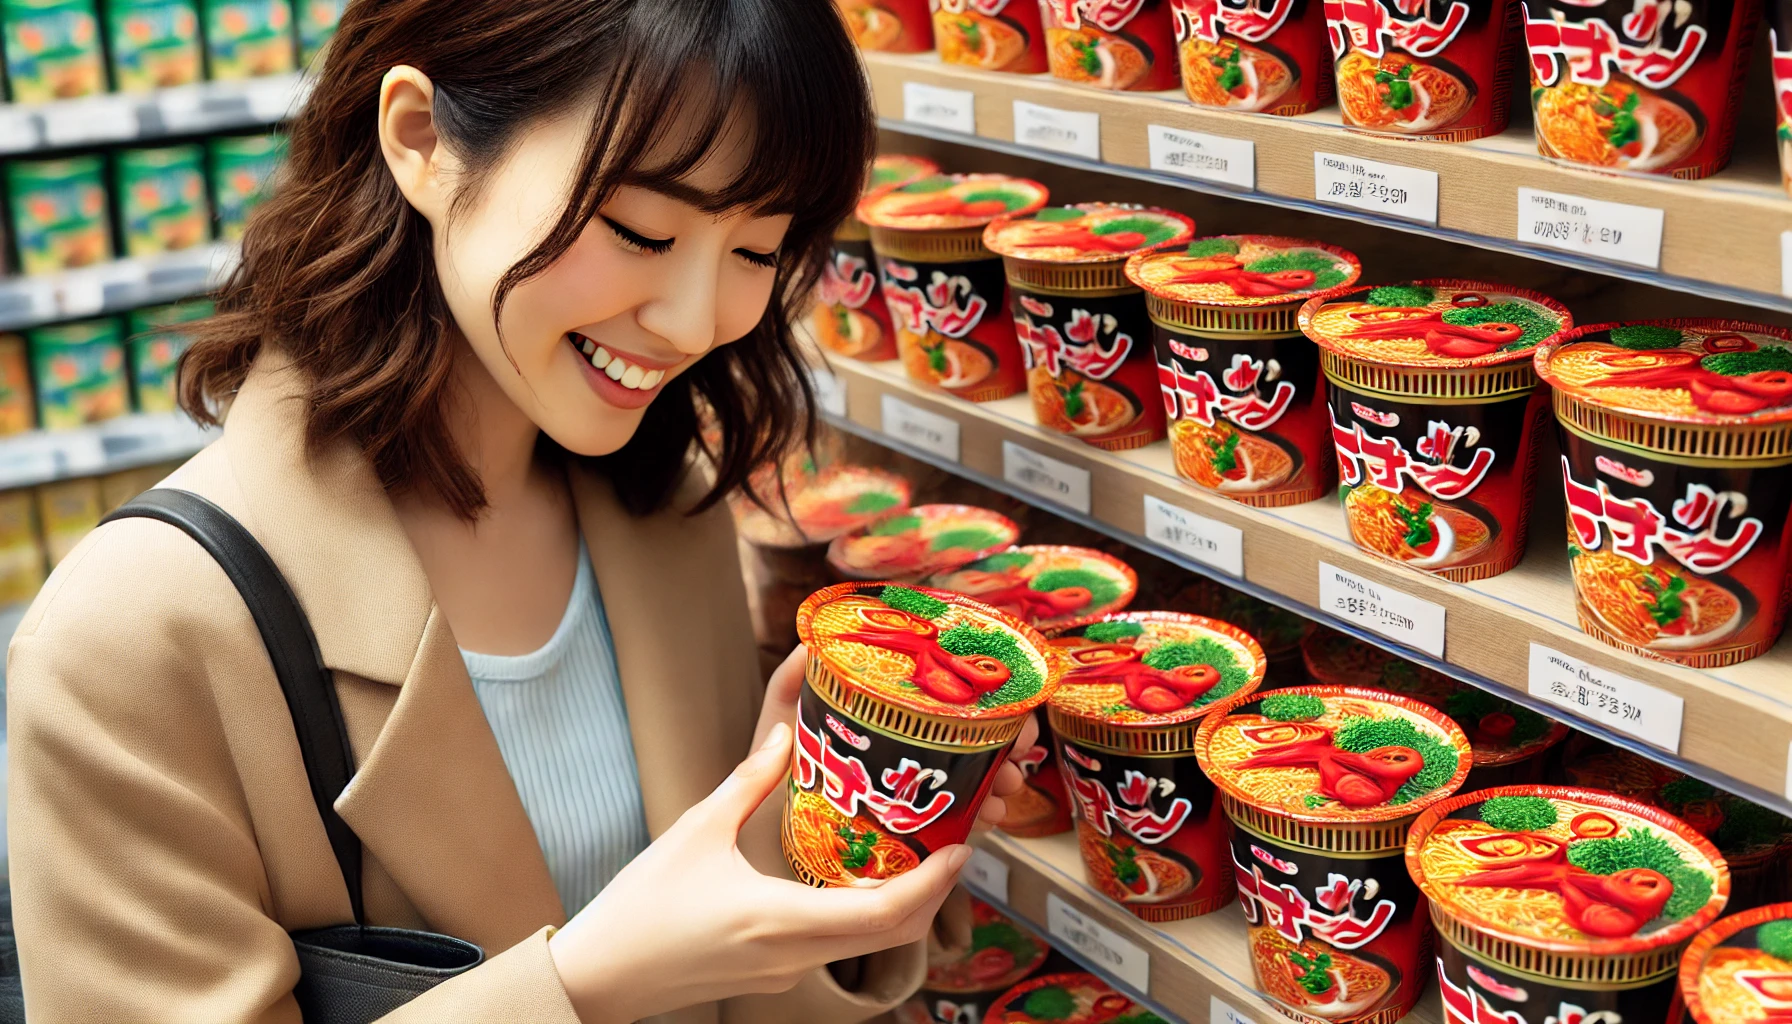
[{"x": 291, "y": 645}]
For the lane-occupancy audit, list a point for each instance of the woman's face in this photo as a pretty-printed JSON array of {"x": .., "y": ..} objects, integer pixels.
[{"x": 652, "y": 284}]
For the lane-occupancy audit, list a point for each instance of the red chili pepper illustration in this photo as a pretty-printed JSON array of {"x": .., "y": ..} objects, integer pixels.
[
  {"x": 1023, "y": 601},
  {"x": 1711, "y": 391},
  {"x": 1082, "y": 238},
  {"x": 1354, "y": 780},
  {"x": 940, "y": 674},
  {"x": 1244, "y": 282},
  {"x": 1610, "y": 906},
  {"x": 1457, "y": 341},
  {"x": 1153, "y": 690},
  {"x": 945, "y": 203}
]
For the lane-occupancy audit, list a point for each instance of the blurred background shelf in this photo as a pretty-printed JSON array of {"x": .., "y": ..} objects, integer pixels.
[
  {"x": 129, "y": 442},
  {"x": 126, "y": 117},
  {"x": 114, "y": 286}
]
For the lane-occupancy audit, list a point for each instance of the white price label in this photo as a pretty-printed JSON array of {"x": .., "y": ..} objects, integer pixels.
[
  {"x": 1222, "y": 1012},
  {"x": 19, "y": 130},
  {"x": 1045, "y": 476},
  {"x": 1371, "y": 185},
  {"x": 830, "y": 391},
  {"x": 988, "y": 874},
  {"x": 1413, "y": 621},
  {"x": 1205, "y": 540},
  {"x": 273, "y": 99},
  {"x": 1099, "y": 944},
  {"x": 1635, "y": 708},
  {"x": 101, "y": 119},
  {"x": 918, "y": 428},
  {"x": 1200, "y": 155},
  {"x": 1062, "y": 131},
  {"x": 1786, "y": 263},
  {"x": 1612, "y": 231},
  {"x": 955, "y": 110}
]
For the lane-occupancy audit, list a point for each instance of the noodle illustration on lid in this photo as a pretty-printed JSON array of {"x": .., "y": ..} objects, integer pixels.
[
  {"x": 1111, "y": 44},
  {"x": 1739, "y": 970},
  {"x": 995, "y": 35},
  {"x": 1070, "y": 998},
  {"x": 1259, "y": 56},
  {"x": 893, "y": 26},
  {"x": 817, "y": 508},
  {"x": 1123, "y": 723},
  {"x": 1046, "y": 585},
  {"x": 1435, "y": 416},
  {"x": 1561, "y": 903},
  {"x": 1240, "y": 384},
  {"x": 1675, "y": 438},
  {"x": 1429, "y": 69},
  {"x": 1642, "y": 87},
  {"x": 850, "y": 316},
  {"x": 910, "y": 700},
  {"x": 946, "y": 291},
  {"x": 912, "y": 544},
  {"x": 1321, "y": 784},
  {"x": 1082, "y": 325},
  {"x": 961, "y": 983}
]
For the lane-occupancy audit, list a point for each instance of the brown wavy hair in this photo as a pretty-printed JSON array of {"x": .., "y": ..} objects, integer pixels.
[{"x": 337, "y": 269}]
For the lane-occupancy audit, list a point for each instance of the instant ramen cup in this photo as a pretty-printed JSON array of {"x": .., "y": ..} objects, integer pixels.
[
  {"x": 1321, "y": 784},
  {"x": 1436, "y": 415},
  {"x": 1511, "y": 743},
  {"x": 1559, "y": 903},
  {"x": 1045, "y": 585},
  {"x": 1083, "y": 330},
  {"x": 910, "y": 701},
  {"x": 1070, "y": 998},
  {"x": 1676, "y": 435},
  {"x": 894, "y": 26},
  {"x": 1240, "y": 383},
  {"x": 1261, "y": 58},
  {"x": 1416, "y": 70},
  {"x": 913, "y": 544},
  {"x": 995, "y": 35},
  {"x": 1739, "y": 970},
  {"x": 961, "y": 983},
  {"x": 1779, "y": 15},
  {"x": 1647, "y": 88},
  {"x": 1123, "y": 726},
  {"x": 850, "y": 317},
  {"x": 946, "y": 291},
  {"x": 1111, "y": 44}
]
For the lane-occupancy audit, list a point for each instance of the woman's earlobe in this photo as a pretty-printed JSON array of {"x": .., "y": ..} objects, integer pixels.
[{"x": 408, "y": 138}]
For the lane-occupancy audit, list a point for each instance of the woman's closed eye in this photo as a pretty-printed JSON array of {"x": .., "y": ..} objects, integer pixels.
[
  {"x": 757, "y": 258},
  {"x": 637, "y": 241}
]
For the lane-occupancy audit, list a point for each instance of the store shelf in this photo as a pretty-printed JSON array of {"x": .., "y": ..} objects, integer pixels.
[
  {"x": 196, "y": 109},
  {"x": 128, "y": 442},
  {"x": 1192, "y": 962},
  {"x": 1721, "y": 237},
  {"x": 1737, "y": 723},
  {"x": 114, "y": 287}
]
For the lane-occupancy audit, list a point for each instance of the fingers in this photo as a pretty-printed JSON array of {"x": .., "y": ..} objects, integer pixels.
[
  {"x": 1009, "y": 779},
  {"x": 1028, "y": 738},
  {"x": 990, "y": 815},
  {"x": 856, "y": 914},
  {"x": 754, "y": 779}
]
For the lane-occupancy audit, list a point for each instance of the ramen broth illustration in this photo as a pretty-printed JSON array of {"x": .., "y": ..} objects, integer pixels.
[
  {"x": 1111, "y": 44},
  {"x": 995, "y": 35},
  {"x": 910, "y": 701},
  {"x": 1045, "y": 585},
  {"x": 1260, "y": 56},
  {"x": 894, "y": 26},
  {"x": 1675, "y": 536},
  {"x": 1554, "y": 903},
  {"x": 1739, "y": 970},
  {"x": 1430, "y": 69},
  {"x": 850, "y": 317},
  {"x": 915, "y": 543}
]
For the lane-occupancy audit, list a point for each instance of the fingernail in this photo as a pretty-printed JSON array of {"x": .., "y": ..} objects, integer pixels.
[{"x": 775, "y": 737}]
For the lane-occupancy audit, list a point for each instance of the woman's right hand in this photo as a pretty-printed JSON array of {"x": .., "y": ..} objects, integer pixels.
[{"x": 690, "y": 921}]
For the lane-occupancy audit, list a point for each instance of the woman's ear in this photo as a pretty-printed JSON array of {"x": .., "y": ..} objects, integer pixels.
[{"x": 408, "y": 140}]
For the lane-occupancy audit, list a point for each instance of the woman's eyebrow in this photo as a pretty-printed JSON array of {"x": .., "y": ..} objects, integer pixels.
[{"x": 684, "y": 192}]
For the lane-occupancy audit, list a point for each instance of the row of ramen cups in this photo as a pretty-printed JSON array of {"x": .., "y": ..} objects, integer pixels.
[
  {"x": 1279, "y": 380},
  {"x": 1644, "y": 86},
  {"x": 1331, "y": 813}
]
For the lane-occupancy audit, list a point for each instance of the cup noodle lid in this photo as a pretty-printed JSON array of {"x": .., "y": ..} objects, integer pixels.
[
  {"x": 1499, "y": 861},
  {"x": 1071, "y": 998},
  {"x": 1245, "y": 270},
  {"x": 836, "y": 501},
  {"x": 1440, "y": 323},
  {"x": 1001, "y": 953},
  {"x": 917, "y": 542},
  {"x": 1266, "y": 750},
  {"x": 891, "y": 170},
  {"x": 1153, "y": 669},
  {"x": 1698, "y": 370},
  {"x": 1087, "y": 232},
  {"x": 929, "y": 651},
  {"x": 1746, "y": 833},
  {"x": 945, "y": 202},
  {"x": 1739, "y": 970},
  {"x": 1046, "y": 584}
]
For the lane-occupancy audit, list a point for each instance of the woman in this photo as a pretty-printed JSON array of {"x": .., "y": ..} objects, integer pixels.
[{"x": 458, "y": 369}]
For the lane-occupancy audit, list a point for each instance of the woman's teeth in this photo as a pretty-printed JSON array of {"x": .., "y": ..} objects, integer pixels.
[{"x": 619, "y": 369}]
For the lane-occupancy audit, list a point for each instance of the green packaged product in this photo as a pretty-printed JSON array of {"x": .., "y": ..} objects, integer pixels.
[
  {"x": 158, "y": 337},
  {"x": 317, "y": 23},
  {"x": 248, "y": 38},
  {"x": 154, "y": 43},
  {"x": 241, "y": 166},
  {"x": 80, "y": 373},
  {"x": 161, "y": 199},
  {"x": 52, "y": 49},
  {"x": 59, "y": 213}
]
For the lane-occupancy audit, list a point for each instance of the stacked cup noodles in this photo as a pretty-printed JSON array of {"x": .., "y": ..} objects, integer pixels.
[{"x": 850, "y": 317}]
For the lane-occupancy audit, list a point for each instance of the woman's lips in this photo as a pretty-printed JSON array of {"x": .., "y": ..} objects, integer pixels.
[{"x": 617, "y": 379}]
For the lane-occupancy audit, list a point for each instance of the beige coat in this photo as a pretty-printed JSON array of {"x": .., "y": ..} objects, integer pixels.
[{"x": 163, "y": 838}]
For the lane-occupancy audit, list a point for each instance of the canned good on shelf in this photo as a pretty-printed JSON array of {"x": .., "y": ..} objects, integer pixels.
[
  {"x": 162, "y": 199},
  {"x": 850, "y": 317},
  {"x": 248, "y": 38},
  {"x": 1271, "y": 58},
  {"x": 1441, "y": 72},
  {"x": 156, "y": 344},
  {"x": 80, "y": 373},
  {"x": 60, "y": 216},
  {"x": 241, "y": 167},
  {"x": 1111, "y": 44},
  {"x": 894, "y": 26},
  {"x": 52, "y": 49},
  {"x": 995, "y": 35}
]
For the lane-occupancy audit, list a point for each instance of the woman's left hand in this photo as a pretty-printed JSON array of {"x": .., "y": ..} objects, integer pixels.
[{"x": 780, "y": 706}]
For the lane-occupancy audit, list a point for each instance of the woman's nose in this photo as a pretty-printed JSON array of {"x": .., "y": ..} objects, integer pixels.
[{"x": 683, "y": 312}]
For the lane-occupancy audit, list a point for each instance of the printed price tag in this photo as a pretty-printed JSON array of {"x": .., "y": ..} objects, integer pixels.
[
  {"x": 19, "y": 130},
  {"x": 1099, "y": 944},
  {"x": 1786, "y": 263},
  {"x": 955, "y": 110},
  {"x": 1398, "y": 616},
  {"x": 918, "y": 428},
  {"x": 988, "y": 874},
  {"x": 1205, "y": 540},
  {"x": 1222, "y": 1012},
  {"x": 1045, "y": 476},
  {"x": 1063, "y": 131},
  {"x": 1649, "y": 713},
  {"x": 1200, "y": 155},
  {"x": 1374, "y": 186},
  {"x": 830, "y": 391},
  {"x": 274, "y": 99},
  {"x": 1612, "y": 231},
  {"x": 101, "y": 119},
  {"x": 28, "y": 459}
]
